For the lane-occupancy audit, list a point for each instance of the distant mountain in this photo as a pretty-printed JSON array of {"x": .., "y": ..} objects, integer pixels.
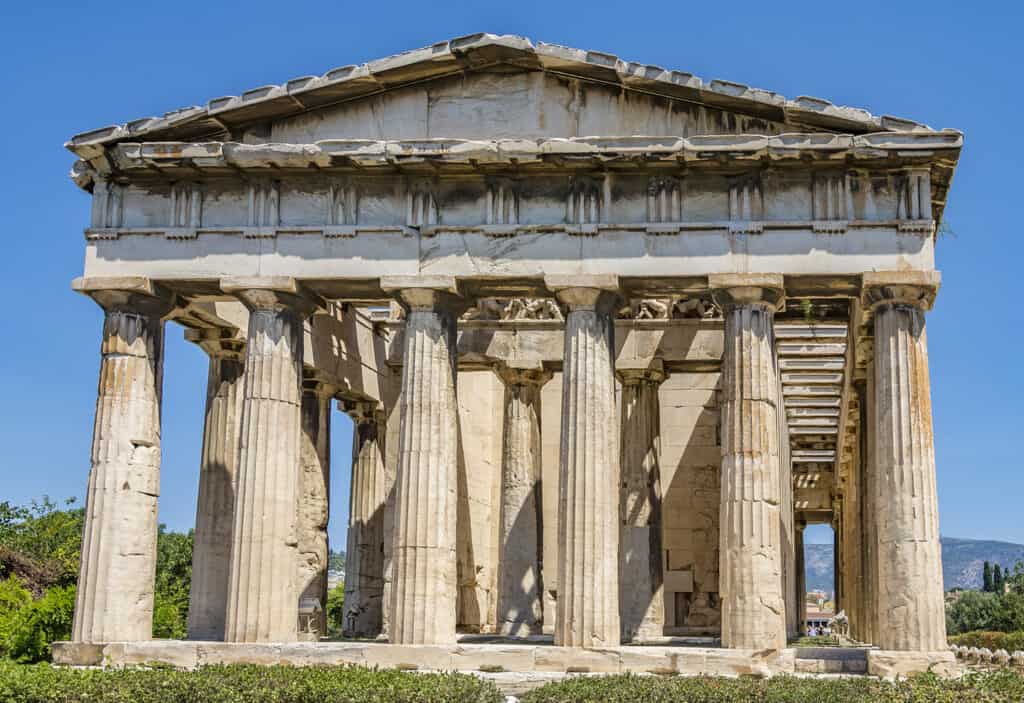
[{"x": 962, "y": 560}]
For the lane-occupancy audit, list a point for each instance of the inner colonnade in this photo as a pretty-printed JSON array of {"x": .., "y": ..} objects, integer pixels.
[{"x": 592, "y": 538}]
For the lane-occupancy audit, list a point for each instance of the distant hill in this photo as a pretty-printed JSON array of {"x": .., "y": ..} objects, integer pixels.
[{"x": 962, "y": 560}]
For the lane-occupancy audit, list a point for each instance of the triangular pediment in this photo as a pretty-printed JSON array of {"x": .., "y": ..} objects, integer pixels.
[{"x": 491, "y": 86}]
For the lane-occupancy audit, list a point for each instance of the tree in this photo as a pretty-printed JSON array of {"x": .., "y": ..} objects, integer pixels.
[
  {"x": 997, "y": 579},
  {"x": 173, "y": 581},
  {"x": 986, "y": 578},
  {"x": 336, "y": 610}
]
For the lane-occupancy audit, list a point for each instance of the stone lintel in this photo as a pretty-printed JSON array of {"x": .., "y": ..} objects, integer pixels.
[
  {"x": 914, "y": 288},
  {"x": 127, "y": 293},
  {"x": 732, "y": 289},
  {"x": 273, "y": 293},
  {"x": 632, "y": 371}
]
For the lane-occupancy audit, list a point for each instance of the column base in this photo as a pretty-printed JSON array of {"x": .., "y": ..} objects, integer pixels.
[{"x": 889, "y": 664}]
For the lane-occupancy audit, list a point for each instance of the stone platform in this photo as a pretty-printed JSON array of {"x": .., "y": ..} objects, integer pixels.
[{"x": 546, "y": 661}]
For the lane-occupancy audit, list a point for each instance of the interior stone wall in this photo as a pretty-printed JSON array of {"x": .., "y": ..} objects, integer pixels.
[
  {"x": 481, "y": 411},
  {"x": 690, "y": 483}
]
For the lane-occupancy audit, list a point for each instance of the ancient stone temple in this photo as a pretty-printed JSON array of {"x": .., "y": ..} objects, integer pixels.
[{"x": 610, "y": 336}]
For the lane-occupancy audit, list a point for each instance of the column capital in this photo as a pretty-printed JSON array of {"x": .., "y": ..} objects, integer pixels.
[
  {"x": 136, "y": 294},
  {"x": 634, "y": 371},
  {"x": 362, "y": 412},
  {"x": 729, "y": 290},
  {"x": 910, "y": 288},
  {"x": 523, "y": 373},
  {"x": 598, "y": 292},
  {"x": 273, "y": 293},
  {"x": 434, "y": 293},
  {"x": 218, "y": 342},
  {"x": 314, "y": 382}
]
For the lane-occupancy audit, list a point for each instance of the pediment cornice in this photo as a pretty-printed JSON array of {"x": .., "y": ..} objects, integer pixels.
[{"x": 221, "y": 115}]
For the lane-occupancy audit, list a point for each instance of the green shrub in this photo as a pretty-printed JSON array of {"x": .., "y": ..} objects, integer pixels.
[
  {"x": 336, "y": 610},
  {"x": 1010, "y": 641},
  {"x": 238, "y": 684},
  {"x": 32, "y": 628},
  {"x": 996, "y": 687},
  {"x": 13, "y": 597},
  {"x": 974, "y": 610}
]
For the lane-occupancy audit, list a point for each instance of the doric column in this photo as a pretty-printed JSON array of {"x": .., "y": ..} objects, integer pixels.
[
  {"x": 263, "y": 595},
  {"x": 520, "y": 592},
  {"x": 364, "y": 556},
  {"x": 314, "y": 506},
  {"x": 909, "y": 561},
  {"x": 867, "y": 628},
  {"x": 801, "y": 579},
  {"x": 423, "y": 587},
  {"x": 115, "y": 584},
  {"x": 753, "y": 607},
  {"x": 587, "y": 613},
  {"x": 838, "y": 573},
  {"x": 641, "y": 598},
  {"x": 215, "y": 508}
]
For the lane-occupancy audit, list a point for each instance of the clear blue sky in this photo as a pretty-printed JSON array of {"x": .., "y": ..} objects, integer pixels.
[{"x": 69, "y": 67}]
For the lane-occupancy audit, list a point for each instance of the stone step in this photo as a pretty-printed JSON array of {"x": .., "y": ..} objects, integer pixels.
[{"x": 831, "y": 660}]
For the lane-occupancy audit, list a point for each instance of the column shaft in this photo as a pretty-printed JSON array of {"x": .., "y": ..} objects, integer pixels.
[
  {"x": 115, "y": 586},
  {"x": 910, "y": 589},
  {"x": 587, "y": 613},
  {"x": 753, "y": 607},
  {"x": 520, "y": 605},
  {"x": 314, "y": 506},
  {"x": 364, "y": 556},
  {"x": 263, "y": 596},
  {"x": 211, "y": 553},
  {"x": 423, "y": 588},
  {"x": 801, "y": 580},
  {"x": 641, "y": 576}
]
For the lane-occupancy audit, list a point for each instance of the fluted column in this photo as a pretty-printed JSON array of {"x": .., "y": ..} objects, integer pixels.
[
  {"x": 215, "y": 508},
  {"x": 801, "y": 579},
  {"x": 114, "y": 601},
  {"x": 867, "y": 627},
  {"x": 423, "y": 586},
  {"x": 314, "y": 504},
  {"x": 910, "y": 590},
  {"x": 587, "y": 613},
  {"x": 753, "y": 606},
  {"x": 641, "y": 575},
  {"x": 520, "y": 591},
  {"x": 263, "y": 595},
  {"x": 364, "y": 555}
]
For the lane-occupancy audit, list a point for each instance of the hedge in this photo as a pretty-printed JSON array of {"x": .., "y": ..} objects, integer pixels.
[
  {"x": 1010, "y": 641},
  {"x": 42, "y": 683},
  {"x": 992, "y": 687}
]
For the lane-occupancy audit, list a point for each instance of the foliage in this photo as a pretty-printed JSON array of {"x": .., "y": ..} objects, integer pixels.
[
  {"x": 336, "y": 610},
  {"x": 1010, "y": 641},
  {"x": 238, "y": 684},
  {"x": 13, "y": 597},
  {"x": 32, "y": 628},
  {"x": 816, "y": 641},
  {"x": 39, "y": 555},
  {"x": 335, "y": 561},
  {"x": 986, "y": 578},
  {"x": 997, "y": 579},
  {"x": 974, "y": 610},
  {"x": 996, "y": 687},
  {"x": 40, "y": 543},
  {"x": 173, "y": 580}
]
